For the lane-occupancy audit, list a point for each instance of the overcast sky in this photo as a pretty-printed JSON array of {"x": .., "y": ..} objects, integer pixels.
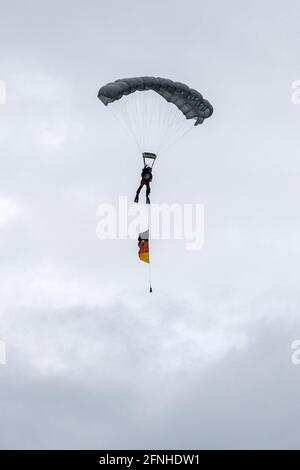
[{"x": 94, "y": 361}]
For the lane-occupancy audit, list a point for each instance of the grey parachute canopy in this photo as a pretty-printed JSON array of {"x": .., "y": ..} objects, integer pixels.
[{"x": 189, "y": 101}]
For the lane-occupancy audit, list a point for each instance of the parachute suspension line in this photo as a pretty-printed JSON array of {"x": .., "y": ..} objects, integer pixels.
[
  {"x": 140, "y": 116},
  {"x": 153, "y": 113},
  {"x": 119, "y": 114},
  {"x": 130, "y": 108},
  {"x": 144, "y": 117},
  {"x": 177, "y": 140},
  {"x": 165, "y": 125},
  {"x": 149, "y": 118},
  {"x": 154, "y": 125},
  {"x": 162, "y": 121},
  {"x": 145, "y": 121},
  {"x": 176, "y": 126},
  {"x": 151, "y": 122},
  {"x": 121, "y": 122},
  {"x": 178, "y": 99},
  {"x": 134, "y": 121},
  {"x": 173, "y": 124},
  {"x": 136, "y": 117}
]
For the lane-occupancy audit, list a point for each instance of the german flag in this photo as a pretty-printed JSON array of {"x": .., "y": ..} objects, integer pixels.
[{"x": 143, "y": 244}]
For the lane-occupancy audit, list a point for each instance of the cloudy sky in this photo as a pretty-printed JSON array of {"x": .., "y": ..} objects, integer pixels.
[{"x": 94, "y": 361}]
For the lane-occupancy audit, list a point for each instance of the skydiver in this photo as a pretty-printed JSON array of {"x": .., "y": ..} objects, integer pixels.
[{"x": 146, "y": 180}]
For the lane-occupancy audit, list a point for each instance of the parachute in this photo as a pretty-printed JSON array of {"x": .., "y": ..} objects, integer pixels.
[{"x": 155, "y": 111}]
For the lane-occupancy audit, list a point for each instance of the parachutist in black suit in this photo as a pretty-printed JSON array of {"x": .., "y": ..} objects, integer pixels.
[{"x": 146, "y": 180}]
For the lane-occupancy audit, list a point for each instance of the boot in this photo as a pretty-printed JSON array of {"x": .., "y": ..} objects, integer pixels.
[
  {"x": 147, "y": 200},
  {"x": 136, "y": 199}
]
